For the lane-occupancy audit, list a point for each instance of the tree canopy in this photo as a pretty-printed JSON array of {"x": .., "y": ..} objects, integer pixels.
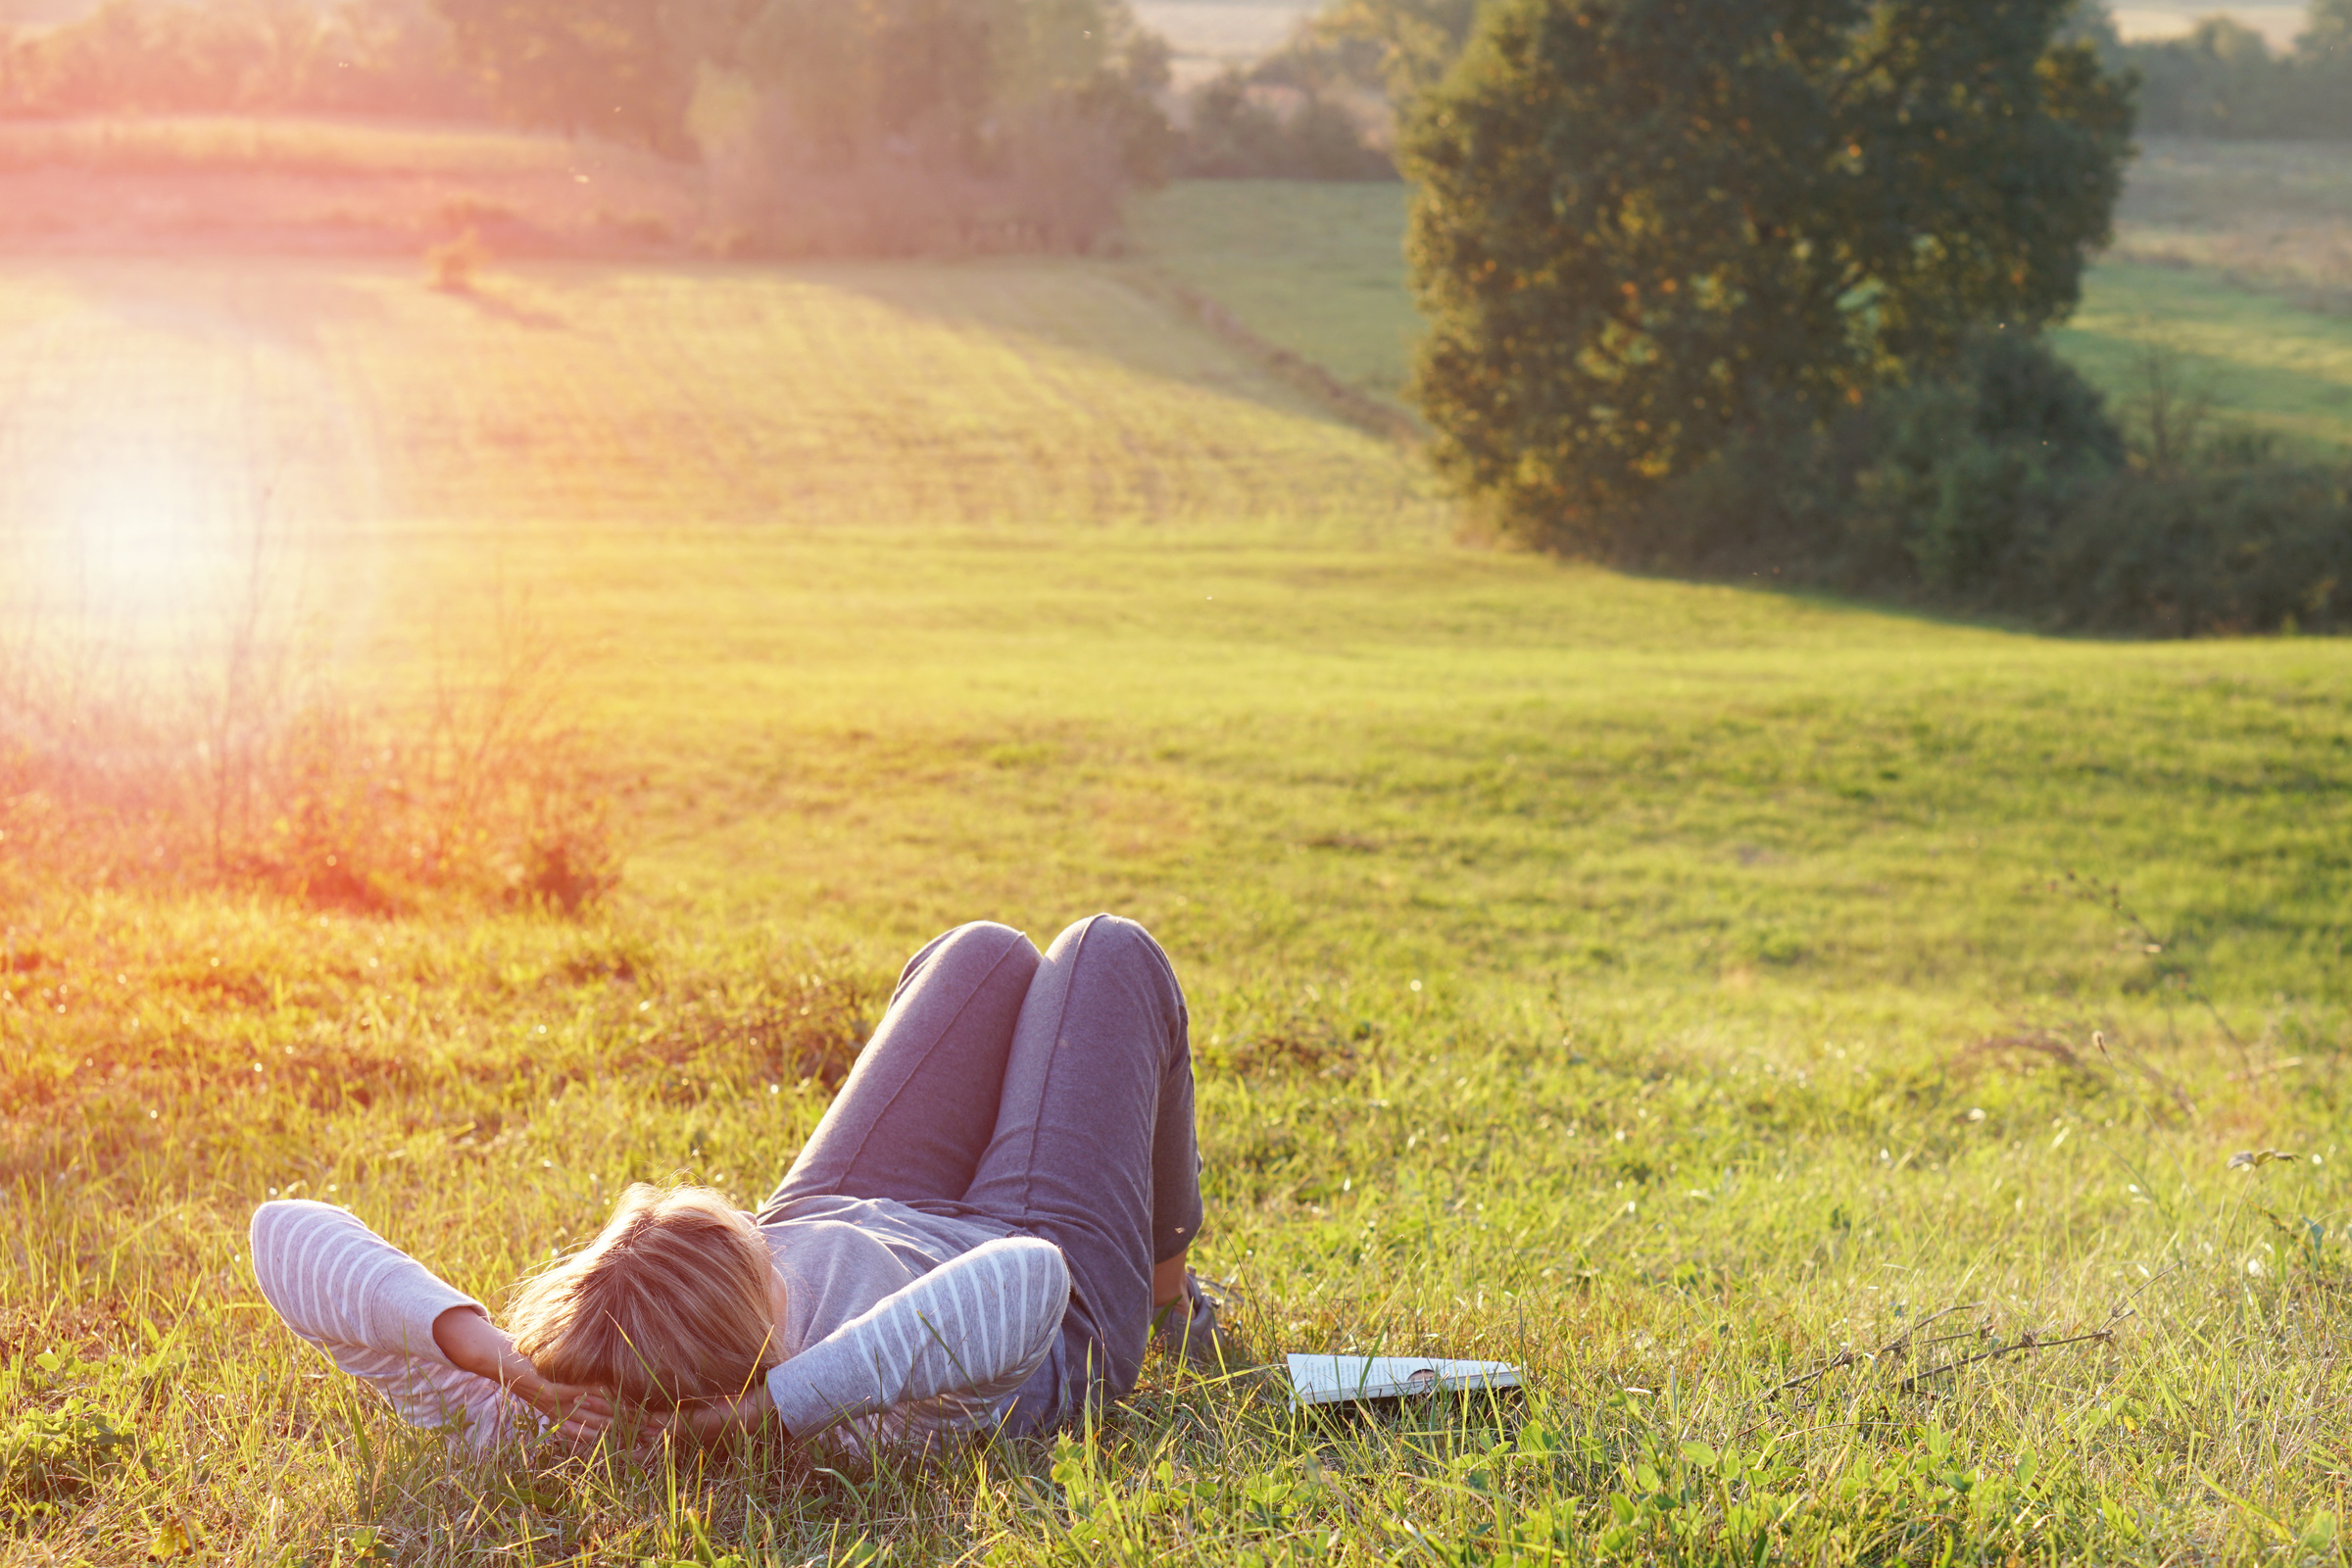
[
  {"x": 622, "y": 68},
  {"x": 1414, "y": 42},
  {"x": 1643, "y": 226},
  {"x": 934, "y": 77},
  {"x": 944, "y": 77}
]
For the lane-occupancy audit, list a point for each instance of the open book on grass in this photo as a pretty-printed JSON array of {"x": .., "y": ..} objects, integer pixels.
[{"x": 1335, "y": 1379}]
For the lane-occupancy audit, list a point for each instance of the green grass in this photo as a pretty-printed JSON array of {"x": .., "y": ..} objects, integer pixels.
[
  {"x": 2266, "y": 365},
  {"x": 556, "y": 395},
  {"x": 1662, "y": 987},
  {"x": 1319, "y": 270},
  {"x": 1316, "y": 268}
]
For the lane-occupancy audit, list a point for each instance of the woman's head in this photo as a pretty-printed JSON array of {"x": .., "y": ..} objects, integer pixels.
[{"x": 669, "y": 1303}]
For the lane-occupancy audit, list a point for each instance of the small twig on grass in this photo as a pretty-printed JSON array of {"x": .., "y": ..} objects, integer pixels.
[
  {"x": 1843, "y": 1359},
  {"x": 2104, "y": 1334},
  {"x": 1850, "y": 1356},
  {"x": 2140, "y": 1064},
  {"x": 1909, "y": 1340},
  {"x": 2111, "y": 894}
]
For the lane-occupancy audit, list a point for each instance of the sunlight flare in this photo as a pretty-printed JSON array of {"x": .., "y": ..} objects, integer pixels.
[{"x": 134, "y": 533}]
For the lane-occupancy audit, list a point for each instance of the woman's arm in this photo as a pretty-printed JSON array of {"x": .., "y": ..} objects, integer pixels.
[
  {"x": 474, "y": 1344},
  {"x": 386, "y": 1319},
  {"x": 941, "y": 1354}
]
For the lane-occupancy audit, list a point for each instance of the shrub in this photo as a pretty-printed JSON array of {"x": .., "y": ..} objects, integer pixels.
[
  {"x": 2003, "y": 485},
  {"x": 451, "y": 265},
  {"x": 1948, "y": 483},
  {"x": 1976, "y": 468},
  {"x": 2262, "y": 547}
]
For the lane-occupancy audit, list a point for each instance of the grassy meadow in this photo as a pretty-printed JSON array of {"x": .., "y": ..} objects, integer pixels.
[{"x": 1810, "y": 1041}]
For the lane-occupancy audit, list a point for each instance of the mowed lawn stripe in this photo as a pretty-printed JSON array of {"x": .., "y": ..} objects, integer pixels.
[{"x": 1014, "y": 394}]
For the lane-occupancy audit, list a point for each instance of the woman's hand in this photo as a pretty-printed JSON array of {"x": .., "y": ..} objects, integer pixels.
[
  {"x": 581, "y": 1416},
  {"x": 710, "y": 1422}
]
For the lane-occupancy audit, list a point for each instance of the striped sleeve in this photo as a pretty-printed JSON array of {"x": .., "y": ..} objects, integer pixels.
[
  {"x": 941, "y": 1355},
  {"x": 370, "y": 1307}
]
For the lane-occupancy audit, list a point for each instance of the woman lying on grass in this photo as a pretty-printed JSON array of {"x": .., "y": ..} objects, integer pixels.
[{"x": 982, "y": 1234}]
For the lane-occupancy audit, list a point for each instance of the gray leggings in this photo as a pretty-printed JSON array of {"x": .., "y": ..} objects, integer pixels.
[{"x": 1051, "y": 1095}]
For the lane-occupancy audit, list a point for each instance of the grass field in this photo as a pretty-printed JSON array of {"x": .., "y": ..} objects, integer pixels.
[
  {"x": 2231, "y": 257},
  {"x": 2275, "y": 213},
  {"x": 1670, "y": 989},
  {"x": 2266, "y": 365},
  {"x": 1315, "y": 268}
]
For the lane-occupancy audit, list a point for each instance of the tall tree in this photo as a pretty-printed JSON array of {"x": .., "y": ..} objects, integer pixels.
[{"x": 1645, "y": 224}]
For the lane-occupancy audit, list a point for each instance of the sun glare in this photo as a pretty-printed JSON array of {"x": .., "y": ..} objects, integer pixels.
[
  {"x": 140, "y": 527},
  {"x": 135, "y": 540},
  {"x": 172, "y": 488}
]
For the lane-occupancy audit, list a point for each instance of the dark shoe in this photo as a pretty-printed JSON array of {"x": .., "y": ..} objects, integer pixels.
[{"x": 1188, "y": 1327}]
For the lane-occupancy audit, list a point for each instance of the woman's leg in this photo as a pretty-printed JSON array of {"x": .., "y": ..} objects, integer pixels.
[
  {"x": 1093, "y": 1147},
  {"x": 920, "y": 1105}
]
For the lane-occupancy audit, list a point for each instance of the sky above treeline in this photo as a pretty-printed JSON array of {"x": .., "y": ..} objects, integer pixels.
[
  {"x": 1222, "y": 32},
  {"x": 2163, "y": 19}
]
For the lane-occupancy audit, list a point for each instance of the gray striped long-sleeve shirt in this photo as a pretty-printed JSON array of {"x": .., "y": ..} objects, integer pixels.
[{"x": 895, "y": 1349}]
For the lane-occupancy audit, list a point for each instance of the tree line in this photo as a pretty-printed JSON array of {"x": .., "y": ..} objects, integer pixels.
[
  {"x": 850, "y": 126},
  {"x": 359, "y": 57},
  {"x": 857, "y": 75},
  {"x": 1321, "y": 106},
  {"x": 855, "y": 125},
  {"x": 2224, "y": 80},
  {"x": 1325, "y": 105}
]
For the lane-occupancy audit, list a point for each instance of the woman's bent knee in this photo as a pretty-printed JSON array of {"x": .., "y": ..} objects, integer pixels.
[
  {"x": 1113, "y": 938},
  {"x": 1116, "y": 948},
  {"x": 975, "y": 947}
]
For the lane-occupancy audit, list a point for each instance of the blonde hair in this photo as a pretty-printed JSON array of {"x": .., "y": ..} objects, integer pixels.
[{"x": 669, "y": 1304}]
